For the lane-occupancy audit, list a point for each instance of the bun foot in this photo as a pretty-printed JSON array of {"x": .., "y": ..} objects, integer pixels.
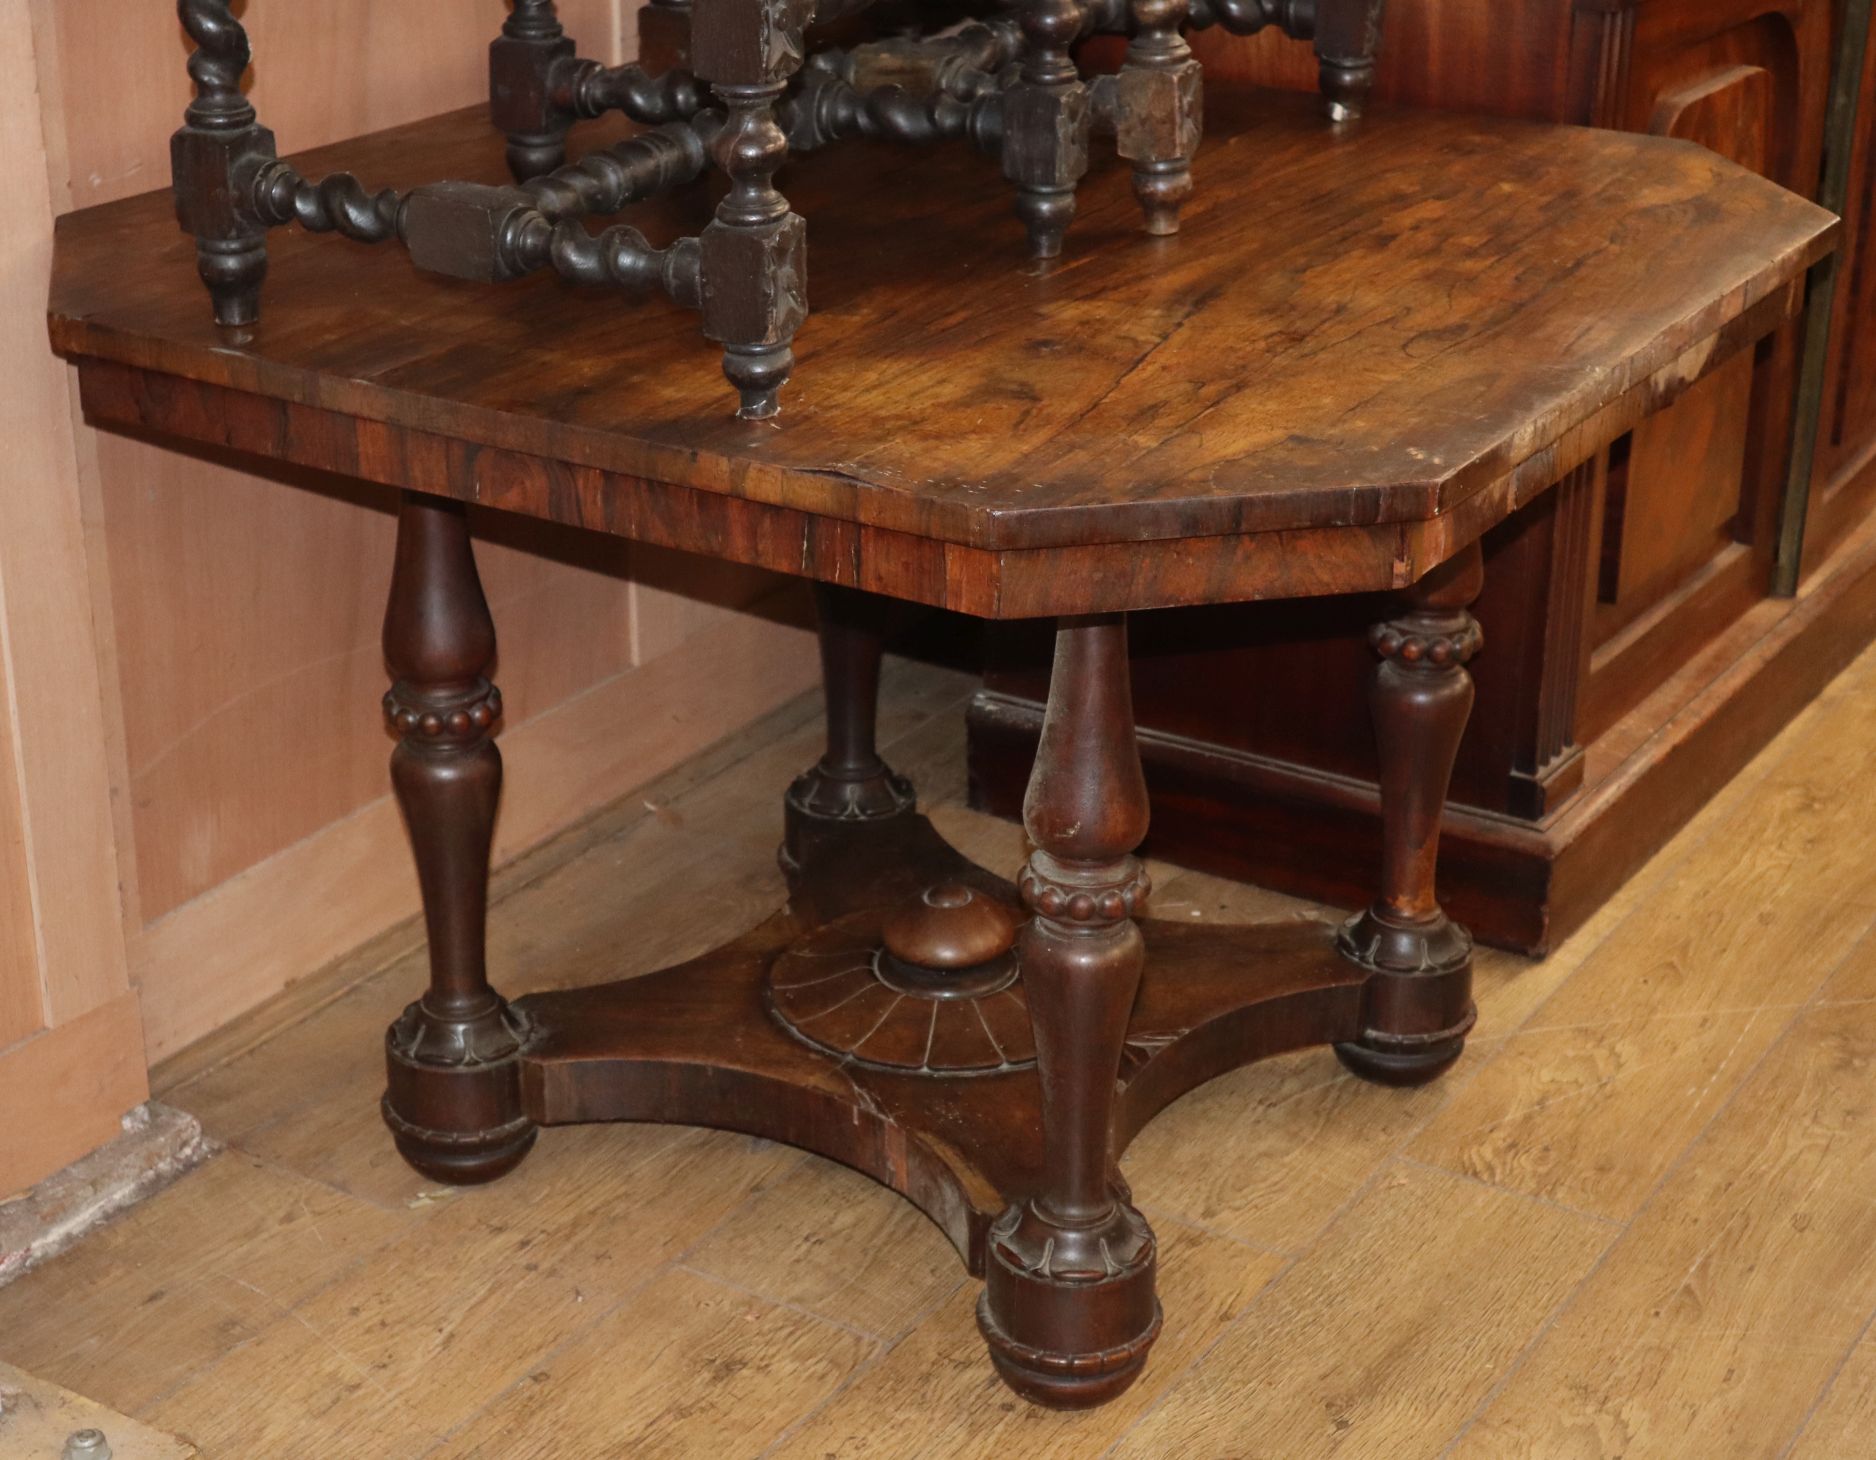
[
  {"x": 1416, "y": 1007},
  {"x": 452, "y": 1098},
  {"x": 758, "y": 373},
  {"x": 1046, "y": 214},
  {"x": 1069, "y": 1313},
  {"x": 1377, "y": 1062}
]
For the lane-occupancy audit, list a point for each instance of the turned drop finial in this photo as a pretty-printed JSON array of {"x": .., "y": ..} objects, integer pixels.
[{"x": 950, "y": 926}]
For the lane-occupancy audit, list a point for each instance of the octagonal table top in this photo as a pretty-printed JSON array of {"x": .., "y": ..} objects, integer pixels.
[{"x": 1365, "y": 347}]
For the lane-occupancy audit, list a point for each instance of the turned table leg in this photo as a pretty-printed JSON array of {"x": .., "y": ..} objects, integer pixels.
[
  {"x": 1069, "y": 1307},
  {"x": 453, "y": 1098},
  {"x": 1417, "y": 1005},
  {"x": 525, "y": 62},
  {"x": 219, "y": 150},
  {"x": 1157, "y": 118},
  {"x": 850, "y": 782},
  {"x": 1046, "y": 123},
  {"x": 1348, "y": 42},
  {"x": 754, "y": 251}
]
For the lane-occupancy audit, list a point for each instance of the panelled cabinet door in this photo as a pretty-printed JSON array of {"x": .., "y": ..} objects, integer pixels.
[
  {"x": 1685, "y": 531},
  {"x": 1678, "y": 495},
  {"x": 1847, "y": 436}
]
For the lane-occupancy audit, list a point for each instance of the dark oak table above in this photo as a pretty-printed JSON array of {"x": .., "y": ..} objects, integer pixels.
[
  {"x": 1364, "y": 349},
  {"x": 1360, "y": 352}
]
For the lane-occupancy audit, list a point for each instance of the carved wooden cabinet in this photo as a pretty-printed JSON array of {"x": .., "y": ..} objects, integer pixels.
[
  {"x": 1846, "y": 449},
  {"x": 1633, "y": 660}
]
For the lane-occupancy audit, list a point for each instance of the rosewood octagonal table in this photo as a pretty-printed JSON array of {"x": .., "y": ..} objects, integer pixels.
[{"x": 1363, "y": 352}]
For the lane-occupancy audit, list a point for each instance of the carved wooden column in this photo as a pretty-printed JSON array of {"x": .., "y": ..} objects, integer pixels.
[
  {"x": 754, "y": 251},
  {"x": 1158, "y": 118},
  {"x": 850, "y": 782},
  {"x": 453, "y": 1098},
  {"x": 218, "y": 152},
  {"x": 1046, "y": 124},
  {"x": 1069, "y": 1308},
  {"x": 1417, "y": 1007},
  {"x": 524, "y": 65},
  {"x": 1348, "y": 40}
]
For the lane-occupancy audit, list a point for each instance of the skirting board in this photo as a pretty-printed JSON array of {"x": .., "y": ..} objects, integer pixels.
[
  {"x": 154, "y": 1145},
  {"x": 226, "y": 951},
  {"x": 65, "y": 1090}
]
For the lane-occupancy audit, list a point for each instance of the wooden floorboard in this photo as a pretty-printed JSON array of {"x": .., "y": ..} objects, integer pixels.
[{"x": 1635, "y": 1221}]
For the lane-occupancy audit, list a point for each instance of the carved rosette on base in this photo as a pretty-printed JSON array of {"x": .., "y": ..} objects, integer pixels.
[
  {"x": 931, "y": 988},
  {"x": 452, "y": 1061},
  {"x": 1417, "y": 1006}
]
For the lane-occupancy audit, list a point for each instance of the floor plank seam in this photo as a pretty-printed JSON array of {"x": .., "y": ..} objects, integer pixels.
[
  {"x": 1250, "y": 1308},
  {"x": 1531, "y": 1344},
  {"x": 1830, "y": 1383},
  {"x": 861, "y": 1370},
  {"x": 541, "y": 1364},
  {"x": 1660, "y": 1184},
  {"x": 676, "y": 1262},
  {"x": 1154, "y": 1211},
  {"x": 1601, "y": 1218},
  {"x": 1456, "y": 1084},
  {"x": 785, "y": 1303}
]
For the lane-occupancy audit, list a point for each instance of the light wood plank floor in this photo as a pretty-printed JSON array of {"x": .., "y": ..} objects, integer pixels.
[{"x": 1639, "y": 1220}]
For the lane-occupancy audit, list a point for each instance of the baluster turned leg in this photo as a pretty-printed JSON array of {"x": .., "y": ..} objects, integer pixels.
[
  {"x": 1046, "y": 121},
  {"x": 1069, "y": 1308},
  {"x": 851, "y": 782},
  {"x": 754, "y": 251},
  {"x": 453, "y": 1100},
  {"x": 1158, "y": 118},
  {"x": 1417, "y": 1005},
  {"x": 1348, "y": 41},
  {"x": 214, "y": 158},
  {"x": 526, "y": 62}
]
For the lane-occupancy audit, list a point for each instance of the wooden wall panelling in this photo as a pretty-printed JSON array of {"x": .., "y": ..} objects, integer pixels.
[
  {"x": 216, "y": 650},
  {"x": 71, "y": 1050},
  {"x": 1846, "y": 448},
  {"x": 1429, "y": 56},
  {"x": 56, "y": 700},
  {"x": 317, "y": 900},
  {"x": 66, "y": 1090},
  {"x": 215, "y": 590},
  {"x": 1675, "y": 491},
  {"x": 22, "y": 1005},
  {"x": 1678, "y": 48},
  {"x": 1686, "y": 530}
]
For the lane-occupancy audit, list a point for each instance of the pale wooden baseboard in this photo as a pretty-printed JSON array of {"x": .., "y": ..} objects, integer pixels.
[
  {"x": 224, "y": 952},
  {"x": 64, "y": 1090}
]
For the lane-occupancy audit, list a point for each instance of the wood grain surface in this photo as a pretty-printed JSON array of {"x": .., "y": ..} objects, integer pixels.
[
  {"x": 704, "y": 1291},
  {"x": 1353, "y": 339}
]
